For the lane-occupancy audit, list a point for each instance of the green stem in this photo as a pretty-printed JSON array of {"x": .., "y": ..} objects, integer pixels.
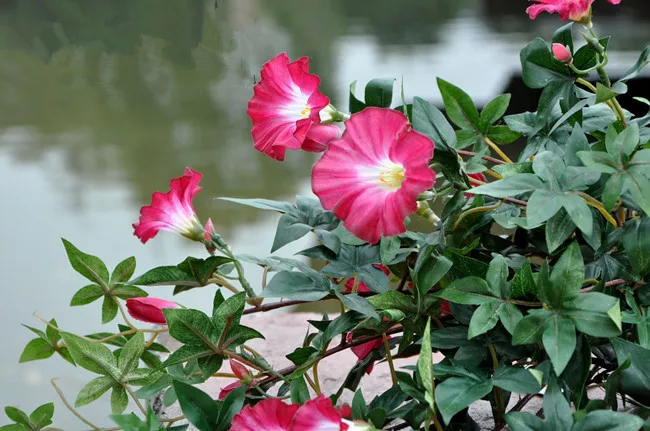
[
  {"x": 498, "y": 395},
  {"x": 389, "y": 358}
]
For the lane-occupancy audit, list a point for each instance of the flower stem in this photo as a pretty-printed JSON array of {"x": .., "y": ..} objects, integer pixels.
[
  {"x": 316, "y": 378},
  {"x": 476, "y": 210},
  {"x": 137, "y": 401},
  {"x": 493, "y": 174},
  {"x": 498, "y": 395},
  {"x": 220, "y": 281},
  {"x": 425, "y": 211},
  {"x": 123, "y": 313},
  {"x": 599, "y": 206},
  {"x": 71, "y": 409},
  {"x": 389, "y": 358},
  {"x": 497, "y": 150}
]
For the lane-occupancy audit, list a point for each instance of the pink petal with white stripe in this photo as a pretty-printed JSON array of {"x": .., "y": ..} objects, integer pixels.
[
  {"x": 267, "y": 415},
  {"x": 372, "y": 176},
  {"x": 285, "y": 105}
]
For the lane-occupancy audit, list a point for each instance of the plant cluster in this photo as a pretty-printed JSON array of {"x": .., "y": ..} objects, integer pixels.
[{"x": 531, "y": 279}]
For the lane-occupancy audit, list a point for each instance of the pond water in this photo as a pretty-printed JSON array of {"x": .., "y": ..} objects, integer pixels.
[{"x": 101, "y": 103}]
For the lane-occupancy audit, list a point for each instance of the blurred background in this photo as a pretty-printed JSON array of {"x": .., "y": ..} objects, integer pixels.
[{"x": 102, "y": 102}]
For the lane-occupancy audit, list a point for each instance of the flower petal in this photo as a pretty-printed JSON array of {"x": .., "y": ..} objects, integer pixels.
[
  {"x": 318, "y": 415},
  {"x": 267, "y": 415},
  {"x": 371, "y": 177}
]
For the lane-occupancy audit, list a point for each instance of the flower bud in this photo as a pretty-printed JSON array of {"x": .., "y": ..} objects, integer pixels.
[
  {"x": 149, "y": 309},
  {"x": 562, "y": 53},
  {"x": 240, "y": 371}
]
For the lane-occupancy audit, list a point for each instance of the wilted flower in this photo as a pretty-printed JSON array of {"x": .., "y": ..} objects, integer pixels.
[
  {"x": 371, "y": 177},
  {"x": 149, "y": 309},
  {"x": 172, "y": 211},
  {"x": 285, "y": 110}
]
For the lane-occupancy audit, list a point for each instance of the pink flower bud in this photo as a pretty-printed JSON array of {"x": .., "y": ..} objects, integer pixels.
[
  {"x": 149, "y": 309},
  {"x": 239, "y": 370},
  {"x": 561, "y": 53}
]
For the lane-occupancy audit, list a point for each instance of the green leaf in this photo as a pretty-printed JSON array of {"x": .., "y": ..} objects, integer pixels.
[
  {"x": 531, "y": 328},
  {"x": 455, "y": 394},
  {"x": 87, "y": 265},
  {"x": 502, "y": 134},
  {"x": 15, "y": 427},
  {"x": 299, "y": 391},
  {"x": 131, "y": 422},
  {"x": 191, "y": 327},
  {"x": 35, "y": 350},
  {"x": 230, "y": 406},
  {"x": 559, "y": 339},
  {"x": 359, "y": 261},
  {"x": 425, "y": 365},
  {"x": 520, "y": 421},
  {"x": 355, "y": 104},
  {"x": 558, "y": 229},
  {"x": 119, "y": 400},
  {"x": 460, "y": 107},
  {"x": 484, "y": 318},
  {"x": 306, "y": 215},
  {"x": 612, "y": 191},
  {"x": 428, "y": 120},
  {"x": 344, "y": 323},
  {"x": 635, "y": 380},
  {"x": 614, "y": 382},
  {"x": 94, "y": 389},
  {"x": 636, "y": 241},
  {"x": 639, "y": 188},
  {"x": 515, "y": 379},
  {"x": 567, "y": 276},
  {"x": 294, "y": 285},
  {"x": 94, "y": 357},
  {"x": 641, "y": 63},
  {"x": 197, "y": 406},
  {"x": 468, "y": 290},
  {"x": 123, "y": 271},
  {"x": 493, "y": 111},
  {"x": 393, "y": 300},
  {"x": 127, "y": 291},
  {"x": 539, "y": 68},
  {"x": 17, "y": 415},
  {"x": 603, "y": 420},
  {"x": 86, "y": 295},
  {"x": 595, "y": 314},
  {"x": 359, "y": 406},
  {"x": 263, "y": 204},
  {"x": 510, "y": 186},
  {"x": 358, "y": 303},
  {"x": 603, "y": 93},
  {"x": 389, "y": 248},
  {"x": 600, "y": 161},
  {"x": 429, "y": 270},
  {"x": 556, "y": 408},
  {"x": 42, "y": 415},
  {"x": 508, "y": 170},
  {"x": 379, "y": 92},
  {"x": 130, "y": 354},
  {"x": 523, "y": 282},
  {"x": 109, "y": 309},
  {"x": 510, "y": 316},
  {"x": 166, "y": 276}
]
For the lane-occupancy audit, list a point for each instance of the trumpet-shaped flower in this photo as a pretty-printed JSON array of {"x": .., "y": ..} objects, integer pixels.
[
  {"x": 315, "y": 415},
  {"x": 172, "y": 211},
  {"x": 372, "y": 176},
  {"x": 575, "y": 10},
  {"x": 285, "y": 109},
  {"x": 149, "y": 310}
]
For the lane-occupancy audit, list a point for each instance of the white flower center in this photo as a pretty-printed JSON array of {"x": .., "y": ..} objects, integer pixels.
[{"x": 388, "y": 175}]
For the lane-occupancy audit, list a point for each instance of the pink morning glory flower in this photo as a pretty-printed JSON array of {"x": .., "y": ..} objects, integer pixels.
[
  {"x": 575, "y": 10},
  {"x": 172, "y": 211},
  {"x": 372, "y": 176},
  {"x": 274, "y": 415},
  {"x": 286, "y": 109}
]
